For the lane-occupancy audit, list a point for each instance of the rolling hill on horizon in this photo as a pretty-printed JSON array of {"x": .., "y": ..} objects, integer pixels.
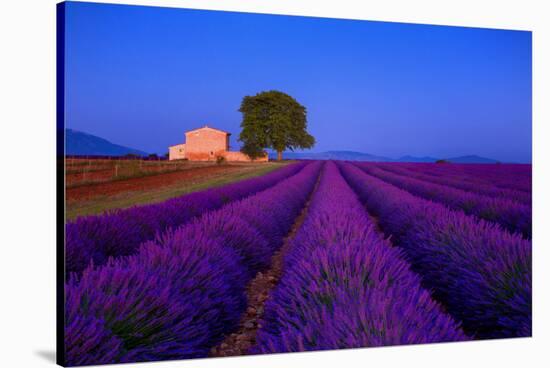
[
  {"x": 361, "y": 156},
  {"x": 333, "y": 155},
  {"x": 472, "y": 159},
  {"x": 80, "y": 143}
]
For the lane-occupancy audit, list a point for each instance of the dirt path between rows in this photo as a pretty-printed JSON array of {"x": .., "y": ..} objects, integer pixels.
[
  {"x": 257, "y": 293},
  {"x": 147, "y": 182}
]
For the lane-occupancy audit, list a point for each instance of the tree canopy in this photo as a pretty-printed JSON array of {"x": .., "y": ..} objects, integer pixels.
[{"x": 275, "y": 120}]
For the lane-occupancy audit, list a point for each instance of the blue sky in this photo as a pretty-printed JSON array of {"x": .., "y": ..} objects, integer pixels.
[{"x": 141, "y": 76}]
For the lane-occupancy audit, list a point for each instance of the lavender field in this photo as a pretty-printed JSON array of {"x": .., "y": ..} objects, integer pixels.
[{"x": 356, "y": 255}]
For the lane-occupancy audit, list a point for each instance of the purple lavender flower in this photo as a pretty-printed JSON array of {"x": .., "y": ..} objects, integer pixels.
[
  {"x": 182, "y": 292},
  {"x": 352, "y": 289},
  {"x": 512, "y": 215},
  {"x": 119, "y": 233},
  {"x": 478, "y": 270}
]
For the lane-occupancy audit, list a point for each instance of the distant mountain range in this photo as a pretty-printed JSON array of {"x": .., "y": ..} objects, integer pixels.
[
  {"x": 332, "y": 155},
  {"x": 360, "y": 156},
  {"x": 417, "y": 159},
  {"x": 80, "y": 143},
  {"x": 472, "y": 159}
]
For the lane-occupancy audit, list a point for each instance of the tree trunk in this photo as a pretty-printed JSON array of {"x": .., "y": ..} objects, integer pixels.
[{"x": 279, "y": 155}]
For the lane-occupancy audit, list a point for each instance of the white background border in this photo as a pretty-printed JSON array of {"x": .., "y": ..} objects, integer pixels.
[{"x": 27, "y": 223}]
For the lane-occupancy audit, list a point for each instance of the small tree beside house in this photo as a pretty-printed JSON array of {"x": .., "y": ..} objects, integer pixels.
[{"x": 273, "y": 120}]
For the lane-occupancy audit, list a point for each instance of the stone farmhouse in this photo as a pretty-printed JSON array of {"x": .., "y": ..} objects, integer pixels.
[{"x": 208, "y": 144}]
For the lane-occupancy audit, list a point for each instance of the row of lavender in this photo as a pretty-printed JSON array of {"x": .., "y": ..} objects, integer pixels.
[
  {"x": 96, "y": 238},
  {"x": 352, "y": 290},
  {"x": 512, "y": 215},
  {"x": 484, "y": 188},
  {"x": 179, "y": 294},
  {"x": 478, "y": 270},
  {"x": 504, "y": 176}
]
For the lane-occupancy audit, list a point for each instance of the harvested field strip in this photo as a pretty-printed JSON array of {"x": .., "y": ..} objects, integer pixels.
[
  {"x": 98, "y": 198},
  {"x": 87, "y": 172},
  {"x": 147, "y": 182}
]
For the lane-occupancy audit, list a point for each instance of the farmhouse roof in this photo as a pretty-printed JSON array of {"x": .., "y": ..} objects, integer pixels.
[{"x": 207, "y": 127}]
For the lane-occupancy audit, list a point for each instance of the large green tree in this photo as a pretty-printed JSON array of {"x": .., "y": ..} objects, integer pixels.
[{"x": 275, "y": 120}]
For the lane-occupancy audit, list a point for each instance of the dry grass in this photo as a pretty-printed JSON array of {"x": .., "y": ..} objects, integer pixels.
[{"x": 102, "y": 204}]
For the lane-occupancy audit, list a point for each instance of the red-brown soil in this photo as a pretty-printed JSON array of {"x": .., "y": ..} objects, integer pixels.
[
  {"x": 96, "y": 175},
  {"x": 84, "y": 172},
  {"x": 146, "y": 182},
  {"x": 257, "y": 293}
]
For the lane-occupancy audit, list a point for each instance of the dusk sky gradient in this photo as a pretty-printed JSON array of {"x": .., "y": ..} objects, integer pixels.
[{"x": 141, "y": 76}]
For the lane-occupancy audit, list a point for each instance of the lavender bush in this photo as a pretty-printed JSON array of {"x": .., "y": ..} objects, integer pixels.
[
  {"x": 344, "y": 286},
  {"x": 119, "y": 233},
  {"x": 444, "y": 178},
  {"x": 478, "y": 270},
  {"x": 161, "y": 303},
  {"x": 504, "y": 176},
  {"x": 180, "y": 293},
  {"x": 514, "y": 216}
]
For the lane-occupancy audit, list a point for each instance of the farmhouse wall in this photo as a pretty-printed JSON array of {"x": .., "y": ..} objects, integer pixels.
[
  {"x": 176, "y": 152},
  {"x": 207, "y": 144},
  {"x": 241, "y": 157}
]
